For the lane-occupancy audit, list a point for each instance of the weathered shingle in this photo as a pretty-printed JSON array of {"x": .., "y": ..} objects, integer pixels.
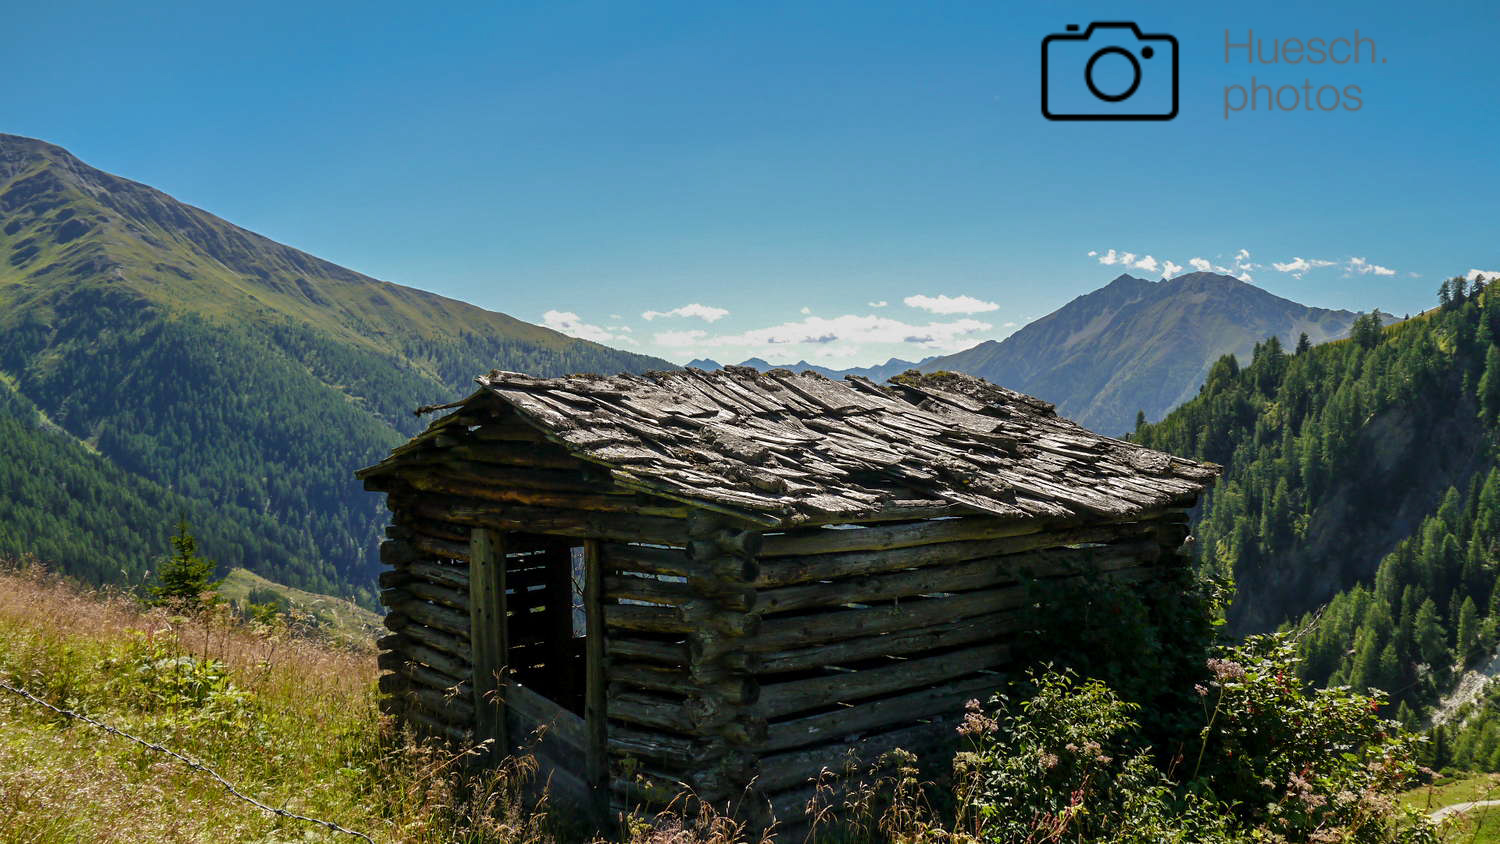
[{"x": 797, "y": 448}]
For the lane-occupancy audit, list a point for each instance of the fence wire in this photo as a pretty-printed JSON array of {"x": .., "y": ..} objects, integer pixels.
[{"x": 188, "y": 761}]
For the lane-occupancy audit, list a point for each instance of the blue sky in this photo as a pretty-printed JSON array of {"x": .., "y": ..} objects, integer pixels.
[{"x": 783, "y": 167}]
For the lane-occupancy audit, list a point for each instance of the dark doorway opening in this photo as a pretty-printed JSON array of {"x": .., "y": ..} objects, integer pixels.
[{"x": 546, "y": 620}]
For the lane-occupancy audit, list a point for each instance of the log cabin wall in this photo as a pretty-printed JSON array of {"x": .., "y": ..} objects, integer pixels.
[{"x": 873, "y": 638}]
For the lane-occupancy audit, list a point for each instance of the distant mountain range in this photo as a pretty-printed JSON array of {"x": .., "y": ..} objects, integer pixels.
[
  {"x": 878, "y": 373},
  {"x": 1132, "y": 345},
  {"x": 156, "y": 360}
]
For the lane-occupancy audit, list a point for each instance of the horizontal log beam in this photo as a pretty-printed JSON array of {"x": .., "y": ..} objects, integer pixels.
[
  {"x": 885, "y": 537},
  {"x": 782, "y": 633},
  {"x": 947, "y": 699},
  {"x": 434, "y": 726},
  {"x": 406, "y": 650},
  {"x": 815, "y": 567},
  {"x": 650, "y": 711},
  {"x": 981, "y": 628},
  {"x": 512, "y": 453},
  {"x": 669, "y": 653},
  {"x": 437, "y": 640},
  {"x": 795, "y": 768},
  {"x": 780, "y": 699},
  {"x": 432, "y": 615},
  {"x": 585, "y": 524},
  {"x": 544, "y": 499},
  {"x": 974, "y": 574},
  {"x": 624, "y": 741}
]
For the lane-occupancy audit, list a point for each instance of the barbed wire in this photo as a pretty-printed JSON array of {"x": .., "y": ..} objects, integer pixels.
[{"x": 186, "y": 760}]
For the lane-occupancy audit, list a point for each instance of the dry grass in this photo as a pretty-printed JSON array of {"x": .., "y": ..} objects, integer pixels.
[
  {"x": 288, "y": 719},
  {"x": 294, "y": 722}
]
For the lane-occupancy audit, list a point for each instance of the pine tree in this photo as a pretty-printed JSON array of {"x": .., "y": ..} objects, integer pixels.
[
  {"x": 1364, "y": 672},
  {"x": 186, "y": 579},
  {"x": 1303, "y": 344},
  {"x": 1366, "y": 331},
  {"x": 1489, "y": 387},
  {"x": 1468, "y": 632},
  {"x": 1428, "y": 635},
  {"x": 1388, "y": 675}
]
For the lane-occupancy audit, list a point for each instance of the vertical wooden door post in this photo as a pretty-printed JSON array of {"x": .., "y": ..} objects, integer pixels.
[
  {"x": 594, "y": 707},
  {"x": 488, "y": 636}
]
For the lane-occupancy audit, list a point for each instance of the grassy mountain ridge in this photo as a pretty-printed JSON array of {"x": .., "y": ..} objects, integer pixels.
[{"x": 216, "y": 366}]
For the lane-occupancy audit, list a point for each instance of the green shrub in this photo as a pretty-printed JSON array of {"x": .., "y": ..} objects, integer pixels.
[{"x": 1273, "y": 761}]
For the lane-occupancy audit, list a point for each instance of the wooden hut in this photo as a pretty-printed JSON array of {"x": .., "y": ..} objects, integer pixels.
[{"x": 726, "y": 579}]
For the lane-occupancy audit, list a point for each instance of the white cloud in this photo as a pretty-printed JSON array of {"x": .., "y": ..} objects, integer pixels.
[
  {"x": 1299, "y": 265},
  {"x": 573, "y": 325},
  {"x": 806, "y": 310},
  {"x": 704, "y": 312},
  {"x": 1133, "y": 261},
  {"x": 1489, "y": 275},
  {"x": 1363, "y": 267},
  {"x": 1242, "y": 255},
  {"x": 845, "y": 333},
  {"x": 944, "y": 304},
  {"x": 678, "y": 339},
  {"x": 1200, "y": 264},
  {"x": 882, "y": 303},
  {"x": 615, "y": 316},
  {"x": 1171, "y": 270}
]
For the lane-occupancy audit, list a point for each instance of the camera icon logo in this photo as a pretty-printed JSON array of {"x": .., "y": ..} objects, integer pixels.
[{"x": 1110, "y": 71}]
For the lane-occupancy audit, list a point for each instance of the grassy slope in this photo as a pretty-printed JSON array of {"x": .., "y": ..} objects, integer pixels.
[
  {"x": 176, "y": 255},
  {"x": 237, "y": 373},
  {"x": 1477, "y": 826},
  {"x": 340, "y": 620},
  {"x": 288, "y": 720}
]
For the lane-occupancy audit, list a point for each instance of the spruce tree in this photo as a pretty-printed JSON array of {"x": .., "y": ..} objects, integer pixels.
[
  {"x": 186, "y": 578},
  {"x": 1468, "y": 633},
  {"x": 1489, "y": 386}
]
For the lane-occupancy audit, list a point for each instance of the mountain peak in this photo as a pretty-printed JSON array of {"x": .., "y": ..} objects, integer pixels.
[{"x": 1140, "y": 345}]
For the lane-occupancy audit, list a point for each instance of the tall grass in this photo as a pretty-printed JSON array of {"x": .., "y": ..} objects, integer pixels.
[
  {"x": 294, "y": 722},
  {"x": 290, "y": 720}
]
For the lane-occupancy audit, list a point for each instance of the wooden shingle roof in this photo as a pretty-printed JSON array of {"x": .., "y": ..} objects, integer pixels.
[{"x": 786, "y": 449}]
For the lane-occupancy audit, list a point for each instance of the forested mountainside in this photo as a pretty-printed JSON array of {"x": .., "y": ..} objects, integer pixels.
[
  {"x": 183, "y": 364},
  {"x": 1137, "y": 345},
  {"x": 1361, "y": 474}
]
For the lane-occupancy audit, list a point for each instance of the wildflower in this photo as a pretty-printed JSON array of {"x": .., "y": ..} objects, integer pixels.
[
  {"x": 975, "y": 722},
  {"x": 1226, "y": 670}
]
